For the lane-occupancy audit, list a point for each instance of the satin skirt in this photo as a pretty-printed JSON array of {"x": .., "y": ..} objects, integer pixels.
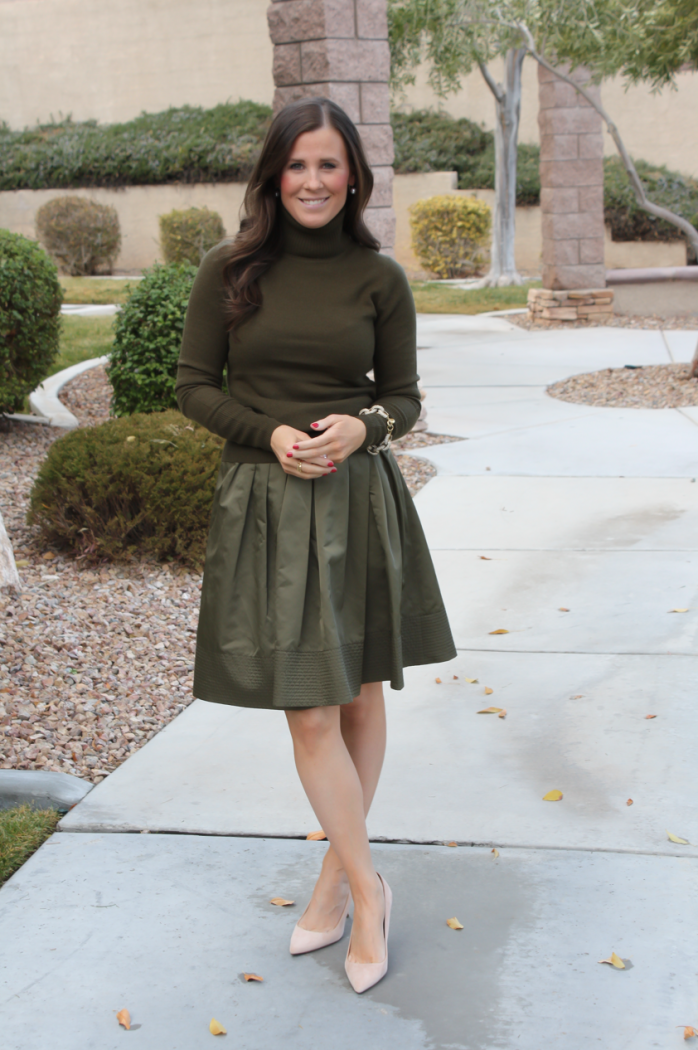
[{"x": 312, "y": 588}]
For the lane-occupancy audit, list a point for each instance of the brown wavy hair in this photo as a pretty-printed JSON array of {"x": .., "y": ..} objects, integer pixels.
[{"x": 258, "y": 244}]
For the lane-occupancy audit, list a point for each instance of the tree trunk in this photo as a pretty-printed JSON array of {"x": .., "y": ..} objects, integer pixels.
[
  {"x": 8, "y": 569},
  {"x": 506, "y": 134}
]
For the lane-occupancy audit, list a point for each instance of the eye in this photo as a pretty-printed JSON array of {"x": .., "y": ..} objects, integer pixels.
[{"x": 295, "y": 164}]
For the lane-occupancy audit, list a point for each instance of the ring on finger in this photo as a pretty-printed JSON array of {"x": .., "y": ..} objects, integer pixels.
[{"x": 300, "y": 467}]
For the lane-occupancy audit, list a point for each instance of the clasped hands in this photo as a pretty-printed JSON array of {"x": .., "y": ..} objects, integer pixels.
[{"x": 338, "y": 436}]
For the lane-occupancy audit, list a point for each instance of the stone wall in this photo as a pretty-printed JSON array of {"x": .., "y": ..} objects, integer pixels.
[{"x": 339, "y": 49}]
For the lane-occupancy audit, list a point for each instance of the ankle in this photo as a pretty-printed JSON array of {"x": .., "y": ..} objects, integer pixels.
[{"x": 368, "y": 892}]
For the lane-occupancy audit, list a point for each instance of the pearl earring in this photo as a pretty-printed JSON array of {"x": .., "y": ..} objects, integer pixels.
[
  {"x": 352, "y": 190},
  {"x": 276, "y": 193}
]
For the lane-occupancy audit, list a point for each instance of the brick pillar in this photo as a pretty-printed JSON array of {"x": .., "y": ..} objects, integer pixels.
[
  {"x": 339, "y": 48},
  {"x": 571, "y": 178}
]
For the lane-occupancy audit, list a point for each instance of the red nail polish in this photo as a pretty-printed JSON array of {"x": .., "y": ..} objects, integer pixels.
[
  {"x": 334, "y": 470},
  {"x": 290, "y": 454},
  {"x": 295, "y": 446},
  {"x": 314, "y": 424},
  {"x": 330, "y": 463}
]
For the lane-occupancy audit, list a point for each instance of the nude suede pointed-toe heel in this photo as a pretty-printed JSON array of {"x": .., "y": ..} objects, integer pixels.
[
  {"x": 310, "y": 940},
  {"x": 363, "y": 976}
]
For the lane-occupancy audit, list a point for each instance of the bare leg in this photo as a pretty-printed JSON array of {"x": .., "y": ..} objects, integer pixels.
[{"x": 336, "y": 793}]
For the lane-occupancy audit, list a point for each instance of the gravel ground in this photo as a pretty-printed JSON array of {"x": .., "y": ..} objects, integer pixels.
[
  {"x": 687, "y": 322},
  {"x": 650, "y": 386},
  {"x": 95, "y": 661}
]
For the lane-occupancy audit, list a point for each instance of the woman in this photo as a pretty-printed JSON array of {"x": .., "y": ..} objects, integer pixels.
[{"x": 313, "y": 594}]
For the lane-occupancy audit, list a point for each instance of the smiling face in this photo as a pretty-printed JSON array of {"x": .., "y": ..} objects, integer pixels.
[{"x": 316, "y": 177}]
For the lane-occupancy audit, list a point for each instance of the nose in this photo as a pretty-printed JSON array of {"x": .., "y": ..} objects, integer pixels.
[{"x": 313, "y": 179}]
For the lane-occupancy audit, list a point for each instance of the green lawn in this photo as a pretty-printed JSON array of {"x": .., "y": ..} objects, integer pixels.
[
  {"x": 82, "y": 338},
  {"x": 445, "y": 299},
  {"x": 22, "y": 830},
  {"x": 96, "y": 290}
]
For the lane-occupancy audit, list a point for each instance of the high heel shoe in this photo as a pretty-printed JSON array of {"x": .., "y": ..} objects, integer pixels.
[
  {"x": 364, "y": 975},
  {"x": 310, "y": 940}
]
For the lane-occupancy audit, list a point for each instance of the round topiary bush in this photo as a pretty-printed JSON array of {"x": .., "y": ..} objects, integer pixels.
[
  {"x": 186, "y": 236},
  {"x": 81, "y": 235},
  {"x": 132, "y": 487},
  {"x": 30, "y": 308},
  {"x": 143, "y": 363},
  {"x": 449, "y": 234}
]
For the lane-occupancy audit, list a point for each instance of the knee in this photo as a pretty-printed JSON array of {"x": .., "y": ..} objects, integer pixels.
[
  {"x": 362, "y": 708},
  {"x": 312, "y": 726}
]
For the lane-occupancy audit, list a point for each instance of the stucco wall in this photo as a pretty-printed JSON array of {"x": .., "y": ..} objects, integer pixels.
[
  {"x": 139, "y": 207},
  {"x": 111, "y": 61}
]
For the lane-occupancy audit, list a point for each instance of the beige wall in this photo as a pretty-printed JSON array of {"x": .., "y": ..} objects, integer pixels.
[
  {"x": 657, "y": 128},
  {"x": 111, "y": 61},
  {"x": 139, "y": 207}
]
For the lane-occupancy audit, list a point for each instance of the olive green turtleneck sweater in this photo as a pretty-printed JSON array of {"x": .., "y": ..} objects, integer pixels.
[{"x": 332, "y": 311}]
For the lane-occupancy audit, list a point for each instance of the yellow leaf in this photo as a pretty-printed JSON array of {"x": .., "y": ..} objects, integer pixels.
[
  {"x": 451, "y": 843},
  {"x": 629, "y": 802},
  {"x": 578, "y": 696},
  {"x": 48, "y": 556},
  {"x": 500, "y": 630},
  {"x": 552, "y": 796},
  {"x": 252, "y": 977},
  {"x": 488, "y": 691},
  {"x": 502, "y": 713},
  {"x": 614, "y": 961},
  {"x": 483, "y": 557},
  {"x": 473, "y": 681},
  {"x": 124, "y": 1018},
  {"x": 454, "y": 924},
  {"x": 281, "y": 902},
  {"x": 675, "y": 838},
  {"x": 562, "y": 609},
  {"x": 496, "y": 853},
  {"x": 22, "y": 563},
  {"x": 678, "y": 610},
  {"x": 438, "y": 680},
  {"x": 490, "y": 710},
  {"x": 216, "y": 1028},
  {"x": 316, "y": 836},
  {"x": 689, "y": 1031}
]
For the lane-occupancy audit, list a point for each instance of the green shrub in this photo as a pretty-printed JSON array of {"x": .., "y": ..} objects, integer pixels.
[
  {"x": 626, "y": 219},
  {"x": 132, "y": 487},
  {"x": 188, "y": 144},
  {"x": 449, "y": 234},
  {"x": 30, "y": 306},
  {"x": 143, "y": 364},
  {"x": 186, "y": 236},
  {"x": 81, "y": 235}
]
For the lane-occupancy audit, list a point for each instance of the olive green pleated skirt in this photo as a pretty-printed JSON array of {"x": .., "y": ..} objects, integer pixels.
[{"x": 312, "y": 588}]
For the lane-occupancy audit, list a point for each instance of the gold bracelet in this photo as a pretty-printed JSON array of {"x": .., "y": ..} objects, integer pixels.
[{"x": 385, "y": 443}]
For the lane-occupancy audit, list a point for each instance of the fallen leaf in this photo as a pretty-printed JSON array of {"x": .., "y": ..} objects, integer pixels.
[
  {"x": 490, "y": 710},
  {"x": 552, "y": 796},
  {"x": 500, "y": 630},
  {"x": 502, "y": 713},
  {"x": 124, "y": 1018},
  {"x": 438, "y": 680},
  {"x": 578, "y": 696},
  {"x": 252, "y": 977},
  {"x": 22, "y": 563},
  {"x": 488, "y": 691},
  {"x": 562, "y": 609},
  {"x": 454, "y": 924},
  {"x": 496, "y": 852},
  {"x": 689, "y": 1031},
  {"x": 316, "y": 836},
  {"x": 281, "y": 902},
  {"x": 473, "y": 681},
  {"x": 216, "y": 1028},
  {"x": 629, "y": 802},
  {"x": 675, "y": 838},
  {"x": 678, "y": 610},
  {"x": 483, "y": 557},
  {"x": 455, "y": 677},
  {"x": 48, "y": 556},
  {"x": 650, "y": 716},
  {"x": 614, "y": 960}
]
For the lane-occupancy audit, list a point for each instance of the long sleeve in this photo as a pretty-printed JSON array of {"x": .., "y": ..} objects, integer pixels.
[
  {"x": 202, "y": 360},
  {"x": 395, "y": 356}
]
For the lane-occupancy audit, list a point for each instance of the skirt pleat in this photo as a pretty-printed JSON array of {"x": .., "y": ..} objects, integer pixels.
[{"x": 312, "y": 588}]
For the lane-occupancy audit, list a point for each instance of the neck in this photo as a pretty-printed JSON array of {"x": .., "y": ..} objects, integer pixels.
[{"x": 320, "y": 242}]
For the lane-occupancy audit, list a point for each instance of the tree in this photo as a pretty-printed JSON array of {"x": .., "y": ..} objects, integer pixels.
[{"x": 647, "y": 40}]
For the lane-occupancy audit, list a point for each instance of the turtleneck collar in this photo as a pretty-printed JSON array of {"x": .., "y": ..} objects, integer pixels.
[{"x": 322, "y": 242}]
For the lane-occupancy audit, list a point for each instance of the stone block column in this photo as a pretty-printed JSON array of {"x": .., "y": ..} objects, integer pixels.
[
  {"x": 571, "y": 176},
  {"x": 339, "y": 49}
]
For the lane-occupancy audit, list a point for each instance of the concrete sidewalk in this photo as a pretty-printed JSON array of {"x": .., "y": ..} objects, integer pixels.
[{"x": 574, "y": 529}]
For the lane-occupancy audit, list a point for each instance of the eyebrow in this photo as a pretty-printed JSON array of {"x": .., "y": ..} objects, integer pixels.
[{"x": 296, "y": 160}]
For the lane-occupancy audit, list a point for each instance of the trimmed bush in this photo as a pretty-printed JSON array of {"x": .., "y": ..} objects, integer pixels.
[
  {"x": 188, "y": 144},
  {"x": 81, "y": 235},
  {"x": 143, "y": 364},
  {"x": 627, "y": 221},
  {"x": 128, "y": 488},
  {"x": 30, "y": 307},
  {"x": 186, "y": 236},
  {"x": 449, "y": 234}
]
